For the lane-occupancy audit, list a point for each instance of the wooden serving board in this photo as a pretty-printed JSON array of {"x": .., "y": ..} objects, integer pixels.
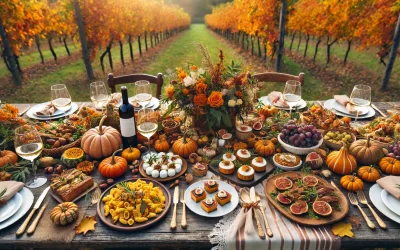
[
  {"x": 183, "y": 170},
  {"x": 269, "y": 187},
  {"x": 57, "y": 198}
]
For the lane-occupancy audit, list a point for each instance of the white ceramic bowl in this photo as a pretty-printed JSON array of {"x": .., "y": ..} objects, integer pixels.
[
  {"x": 297, "y": 150},
  {"x": 286, "y": 168}
]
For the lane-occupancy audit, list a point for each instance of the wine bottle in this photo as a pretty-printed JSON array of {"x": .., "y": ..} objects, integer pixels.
[{"x": 127, "y": 121}]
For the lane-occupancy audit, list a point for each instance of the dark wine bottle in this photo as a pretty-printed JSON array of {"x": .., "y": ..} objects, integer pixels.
[{"x": 127, "y": 121}]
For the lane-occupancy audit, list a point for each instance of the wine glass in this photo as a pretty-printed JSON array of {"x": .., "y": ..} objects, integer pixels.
[
  {"x": 147, "y": 125},
  {"x": 360, "y": 97},
  {"x": 60, "y": 97},
  {"x": 28, "y": 145},
  {"x": 99, "y": 95},
  {"x": 143, "y": 93},
  {"x": 292, "y": 93}
]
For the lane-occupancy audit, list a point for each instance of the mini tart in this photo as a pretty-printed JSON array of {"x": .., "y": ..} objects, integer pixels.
[
  {"x": 226, "y": 167},
  {"x": 243, "y": 155},
  {"x": 259, "y": 164},
  {"x": 193, "y": 157},
  {"x": 245, "y": 173},
  {"x": 200, "y": 169},
  {"x": 223, "y": 197},
  {"x": 198, "y": 194},
  {"x": 211, "y": 186},
  {"x": 287, "y": 160},
  {"x": 228, "y": 157},
  {"x": 209, "y": 205}
]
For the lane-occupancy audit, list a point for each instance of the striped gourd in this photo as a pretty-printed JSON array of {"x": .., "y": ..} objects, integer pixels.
[{"x": 341, "y": 162}]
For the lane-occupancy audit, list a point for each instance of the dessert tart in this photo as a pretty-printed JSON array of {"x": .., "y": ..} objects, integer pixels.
[
  {"x": 211, "y": 186},
  {"x": 200, "y": 169},
  {"x": 223, "y": 197},
  {"x": 228, "y": 157},
  {"x": 226, "y": 167},
  {"x": 259, "y": 164},
  {"x": 287, "y": 160},
  {"x": 209, "y": 205},
  {"x": 193, "y": 157},
  {"x": 243, "y": 155},
  {"x": 245, "y": 173},
  {"x": 198, "y": 194}
]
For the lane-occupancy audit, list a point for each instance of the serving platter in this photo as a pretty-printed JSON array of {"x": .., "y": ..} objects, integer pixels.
[
  {"x": 336, "y": 215},
  {"x": 11, "y": 207},
  {"x": 137, "y": 226},
  {"x": 183, "y": 170},
  {"x": 57, "y": 198}
]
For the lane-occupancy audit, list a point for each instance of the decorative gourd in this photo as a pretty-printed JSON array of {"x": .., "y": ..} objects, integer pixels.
[
  {"x": 113, "y": 167},
  {"x": 366, "y": 152},
  {"x": 131, "y": 154},
  {"x": 341, "y": 162},
  {"x": 64, "y": 213},
  {"x": 264, "y": 147},
  {"x": 351, "y": 183},
  {"x": 7, "y": 156},
  {"x": 101, "y": 141},
  {"x": 390, "y": 165},
  {"x": 184, "y": 147},
  {"x": 72, "y": 156},
  {"x": 268, "y": 111},
  {"x": 368, "y": 174},
  {"x": 161, "y": 145},
  {"x": 86, "y": 167}
]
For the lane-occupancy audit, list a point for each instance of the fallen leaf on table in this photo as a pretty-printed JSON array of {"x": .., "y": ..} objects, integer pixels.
[
  {"x": 87, "y": 224},
  {"x": 353, "y": 220},
  {"x": 342, "y": 229}
]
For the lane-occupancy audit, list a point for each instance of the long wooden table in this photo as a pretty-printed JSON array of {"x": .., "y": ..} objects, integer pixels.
[{"x": 194, "y": 237}]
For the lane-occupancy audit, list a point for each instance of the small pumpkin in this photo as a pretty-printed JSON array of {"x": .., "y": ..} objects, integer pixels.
[
  {"x": 184, "y": 147},
  {"x": 390, "y": 165},
  {"x": 101, "y": 141},
  {"x": 264, "y": 147},
  {"x": 161, "y": 145},
  {"x": 7, "y": 156},
  {"x": 86, "y": 167},
  {"x": 64, "y": 213},
  {"x": 203, "y": 140},
  {"x": 268, "y": 111},
  {"x": 368, "y": 174},
  {"x": 341, "y": 162},
  {"x": 113, "y": 166},
  {"x": 131, "y": 154},
  {"x": 351, "y": 183},
  {"x": 366, "y": 152},
  {"x": 72, "y": 157}
]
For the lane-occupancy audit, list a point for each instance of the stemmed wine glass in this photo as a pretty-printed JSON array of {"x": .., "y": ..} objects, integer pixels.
[
  {"x": 292, "y": 93},
  {"x": 360, "y": 97},
  {"x": 60, "y": 97},
  {"x": 147, "y": 125},
  {"x": 143, "y": 92},
  {"x": 99, "y": 95},
  {"x": 28, "y": 145}
]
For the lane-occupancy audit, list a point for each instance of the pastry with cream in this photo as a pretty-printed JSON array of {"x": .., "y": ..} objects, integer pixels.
[
  {"x": 259, "y": 164},
  {"x": 245, "y": 173},
  {"x": 209, "y": 205},
  {"x": 243, "y": 155},
  {"x": 223, "y": 197},
  {"x": 228, "y": 157},
  {"x": 211, "y": 186},
  {"x": 226, "y": 167},
  {"x": 198, "y": 194}
]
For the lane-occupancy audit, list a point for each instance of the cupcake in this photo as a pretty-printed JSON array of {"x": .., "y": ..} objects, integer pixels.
[
  {"x": 223, "y": 197},
  {"x": 211, "y": 186},
  {"x": 259, "y": 164},
  {"x": 198, "y": 194},
  {"x": 226, "y": 167},
  {"x": 245, "y": 173},
  {"x": 209, "y": 205},
  {"x": 243, "y": 155},
  {"x": 229, "y": 157},
  {"x": 200, "y": 169}
]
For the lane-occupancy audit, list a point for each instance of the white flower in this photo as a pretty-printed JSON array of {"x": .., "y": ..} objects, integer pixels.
[
  {"x": 188, "y": 81},
  {"x": 239, "y": 102},
  {"x": 231, "y": 103},
  {"x": 201, "y": 71},
  {"x": 193, "y": 75}
]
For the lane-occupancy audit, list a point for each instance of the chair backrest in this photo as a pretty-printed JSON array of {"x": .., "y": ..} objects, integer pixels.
[
  {"x": 278, "y": 77},
  {"x": 158, "y": 80}
]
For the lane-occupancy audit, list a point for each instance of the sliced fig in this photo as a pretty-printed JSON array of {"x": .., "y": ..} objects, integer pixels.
[
  {"x": 226, "y": 136},
  {"x": 299, "y": 207},
  {"x": 221, "y": 132},
  {"x": 310, "y": 181},
  {"x": 284, "y": 199},
  {"x": 283, "y": 183},
  {"x": 257, "y": 126},
  {"x": 322, "y": 208}
]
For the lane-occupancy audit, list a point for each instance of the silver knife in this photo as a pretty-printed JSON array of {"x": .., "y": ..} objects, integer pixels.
[
  {"x": 24, "y": 111},
  {"x": 39, "y": 201},
  {"x": 176, "y": 200},
  {"x": 377, "y": 109},
  {"x": 253, "y": 198}
]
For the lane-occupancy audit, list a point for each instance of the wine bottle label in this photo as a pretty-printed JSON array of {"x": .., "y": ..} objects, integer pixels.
[{"x": 128, "y": 128}]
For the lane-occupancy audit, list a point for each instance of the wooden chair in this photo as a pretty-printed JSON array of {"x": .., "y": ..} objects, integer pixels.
[
  {"x": 278, "y": 77},
  {"x": 158, "y": 80}
]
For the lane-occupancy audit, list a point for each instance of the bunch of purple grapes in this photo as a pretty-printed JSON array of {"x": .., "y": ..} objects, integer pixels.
[
  {"x": 303, "y": 135},
  {"x": 394, "y": 150}
]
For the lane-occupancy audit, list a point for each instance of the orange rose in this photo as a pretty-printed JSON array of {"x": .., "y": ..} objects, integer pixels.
[
  {"x": 182, "y": 75},
  {"x": 201, "y": 88},
  {"x": 170, "y": 91},
  {"x": 215, "y": 100},
  {"x": 200, "y": 100},
  {"x": 239, "y": 94},
  {"x": 185, "y": 91},
  {"x": 194, "y": 67}
]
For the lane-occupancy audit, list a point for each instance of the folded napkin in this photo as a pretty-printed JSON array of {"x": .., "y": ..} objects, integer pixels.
[
  {"x": 115, "y": 98},
  {"x": 11, "y": 187},
  {"x": 47, "y": 110},
  {"x": 391, "y": 184},
  {"x": 276, "y": 98},
  {"x": 345, "y": 101}
]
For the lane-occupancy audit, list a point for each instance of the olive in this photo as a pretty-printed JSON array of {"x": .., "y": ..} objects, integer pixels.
[
  {"x": 59, "y": 168},
  {"x": 103, "y": 185},
  {"x": 50, "y": 170},
  {"x": 110, "y": 181}
]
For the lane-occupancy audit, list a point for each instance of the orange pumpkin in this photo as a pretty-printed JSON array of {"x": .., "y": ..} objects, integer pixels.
[
  {"x": 131, "y": 154},
  {"x": 184, "y": 147},
  {"x": 366, "y": 151},
  {"x": 390, "y": 165},
  {"x": 161, "y": 145},
  {"x": 368, "y": 174},
  {"x": 264, "y": 147},
  {"x": 268, "y": 111},
  {"x": 101, "y": 141},
  {"x": 113, "y": 166},
  {"x": 351, "y": 183},
  {"x": 7, "y": 156},
  {"x": 341, "y": 162}
]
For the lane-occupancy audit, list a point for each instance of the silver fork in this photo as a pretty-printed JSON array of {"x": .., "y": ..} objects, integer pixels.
[
  {"x": 183, "y": 221},
  {"x": 354, "y": 201},
  {"x": 364, "y": 201}
]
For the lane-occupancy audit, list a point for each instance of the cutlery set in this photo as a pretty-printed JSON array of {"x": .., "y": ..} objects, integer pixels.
[
  {"x": 363, "y": 200},
  {"x": 176, "y": 200}
]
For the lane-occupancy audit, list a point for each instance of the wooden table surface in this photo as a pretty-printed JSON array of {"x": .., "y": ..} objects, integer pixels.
[{"x": 195, "y": 236}]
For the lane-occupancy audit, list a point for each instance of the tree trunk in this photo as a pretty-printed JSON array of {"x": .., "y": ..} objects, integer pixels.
[
  {"x": 392, "y": 55},
  {"x": 242, "y": 40},
  {"x": 66, "y": 46},
  {"x": 130, "y": 47},
  {"x": 347, "y": 51},
  {"x": 281, "y": 41},
  {"x": 265, "y": 51},
  {"x": 145, "y": 40},
  {"x": 252, "y": 45},
  {"x": 110, "y": 60},
  {"x": 273, "y": 52},
  {"x": 8, "y": 55},
  {"x": 247, "y": 41},
  {"x": 259, "y": 48},
  {"x": 51, "y": 48},
  {"x": 82, "y": 37},
  {"x": 316, "y": 48},
  {"x": 121, "y": 52},
  {"x": 140, "y": 45},
  {"x": 17, "y": 62},
  {"x": 37, "y": 41},
  {"x": 298, "y": 45},
  {"x": 305, "y": 50},
  {"x": 328, "y": 50},
  {"x": 291, "y": 42},
  {"x": 102, "y": 60},
  {"x": 151, "y": 39}
]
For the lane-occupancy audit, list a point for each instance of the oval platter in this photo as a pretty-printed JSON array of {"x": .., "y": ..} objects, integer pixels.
[
  {"x": 137, "y": 226},
  {"x": 183, "y": 170}
]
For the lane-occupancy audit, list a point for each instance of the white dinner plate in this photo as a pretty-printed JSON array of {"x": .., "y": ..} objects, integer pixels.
[
  {"x": 265, "y": 100},
  {"x": 60, "y": 114},
  {"x": 339, "y": 107},
  {"x": 27, "y": 198},
  {"x": 11, "y": 207},
  {"x": 221, "y": 210},
  {"x": 329, "y": 104},
  {"x": 153, "y": 104},
  {"x": 391, "y": 202},
  {"x": 375, "y": 197}
]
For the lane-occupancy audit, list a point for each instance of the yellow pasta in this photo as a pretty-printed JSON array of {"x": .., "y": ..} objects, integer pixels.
[
  {"x": 130, "y": 222},
  {"x": 123, "y": 221},
  {"x": 106, "y": 210},
  {"x": 151, "y": 215},
  {"x": 126, "y": 215}
]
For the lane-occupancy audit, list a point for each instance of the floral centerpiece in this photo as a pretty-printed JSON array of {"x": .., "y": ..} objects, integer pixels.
[
  {"x": 9, "y": 120},
  {"x": 214, "y": 94}
]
